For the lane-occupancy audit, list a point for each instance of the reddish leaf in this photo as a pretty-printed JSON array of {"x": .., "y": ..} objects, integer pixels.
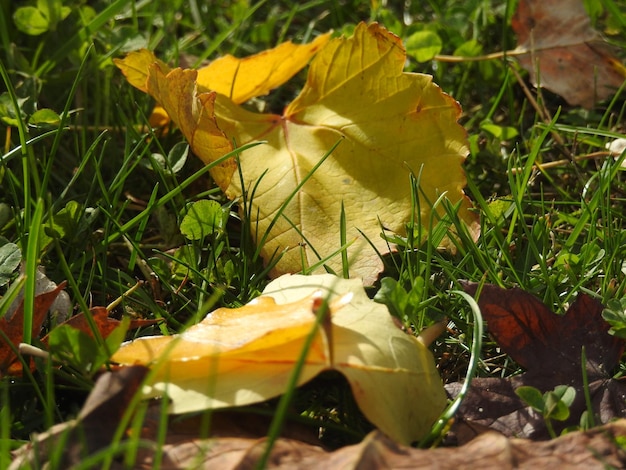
[
  {"x": 533, "y": 335},
  {"x": 572, "y": 58},
  {"x": 103, "y": 322},
  {"x": 13, "y": 330},
  {"x": 549, "y": 347}
]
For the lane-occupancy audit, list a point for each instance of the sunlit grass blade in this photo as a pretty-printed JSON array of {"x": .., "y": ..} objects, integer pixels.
[{"x": 30, "y": 271}]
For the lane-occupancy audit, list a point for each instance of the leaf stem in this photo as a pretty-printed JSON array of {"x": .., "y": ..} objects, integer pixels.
[{"x": 478, "y": 58}]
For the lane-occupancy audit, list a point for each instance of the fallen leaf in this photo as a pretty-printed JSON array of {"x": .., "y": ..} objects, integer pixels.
[
  {"x": 12, "y": 329},
  {"x": 159, "y": 118},
  {"x": 389, "y": 123},
  {"x": 238, "y": 79},
  {"x": 61, "y": 307},
  {"x": 103, "y": 322},
  {"x": 549, "y": 347},
  {"x": 86, "y": 344},
  {"x": 194, "y": 114},
  {"x": 592, "y": 450},
  {"x": 235, "y": 357},
  {"x": 107, "y": 403},
  {"x": 243, "y": 79},
  {"x": 573, "y": 59},
  {"x": 232, "y": 445},
  {"x": 136, "y": 65},
  {"x": 48, "y": 296},
  {"x": 237, "y": 441},
  {"x": 92, "y": 430}
]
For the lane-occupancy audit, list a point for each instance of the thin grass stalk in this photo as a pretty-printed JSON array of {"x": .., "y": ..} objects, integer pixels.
[
  {"x": 436, "y": 432},
  {"x": 343, "y": 242},
  {"x": 29, "y": 165},
  {"x": 26, "y": 371},
  {"x": 591, "y": 420},
  {"x": 32, "y": 261},
  {"x": 64, "y": 118},
  {"x": 5, "y": 426},
  {"x": 413, "y": 257},
  {"x": 73, "y": 283},
  {"x": 321, "y": 315},
  {"x": 223, "y": 35}
]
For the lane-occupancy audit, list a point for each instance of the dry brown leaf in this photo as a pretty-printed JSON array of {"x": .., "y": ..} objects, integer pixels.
[
  {"x": 94, "y": 427},
  {"x": 591, "y": 450},
  {"x": 572, "y": 58},
  {"x": 235, "y": 443},
  {"x": 103, "y": 322}
]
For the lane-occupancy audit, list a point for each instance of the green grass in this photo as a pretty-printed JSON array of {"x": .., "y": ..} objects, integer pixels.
[{"x": 98, "y": 200}]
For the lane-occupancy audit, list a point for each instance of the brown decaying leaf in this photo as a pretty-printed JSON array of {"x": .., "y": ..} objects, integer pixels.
[
  {"x": 595, "y": 449},
  {"x": 234, "y": 445},
  {"x": 94, "y": 427},
  {"x": 573, "y": 59},
  {"x": 536, "y": 338},
  {"x": 13, "y": 329},
  {"x": 549, "y": 347},
  {"x": 103, "y": 322}
]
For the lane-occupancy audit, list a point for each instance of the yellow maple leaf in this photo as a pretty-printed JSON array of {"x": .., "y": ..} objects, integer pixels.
[
  {"x": 194, "y": 114},
  {"x": 184, "y": 95},
  {"x": 242, "y": 79},
  {"x": 235, "y": 357},
  {"x": 388, "y": 122},
  {"x": 135, "y": 67},
  {"x": 239, "y": 79}
]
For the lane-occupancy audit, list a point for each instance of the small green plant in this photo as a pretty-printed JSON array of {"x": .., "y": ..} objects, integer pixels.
[
  {"x": 553, "y": 405},
  {"x": 42, "y": 17},
  {"x": 615, "y": 315}
]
